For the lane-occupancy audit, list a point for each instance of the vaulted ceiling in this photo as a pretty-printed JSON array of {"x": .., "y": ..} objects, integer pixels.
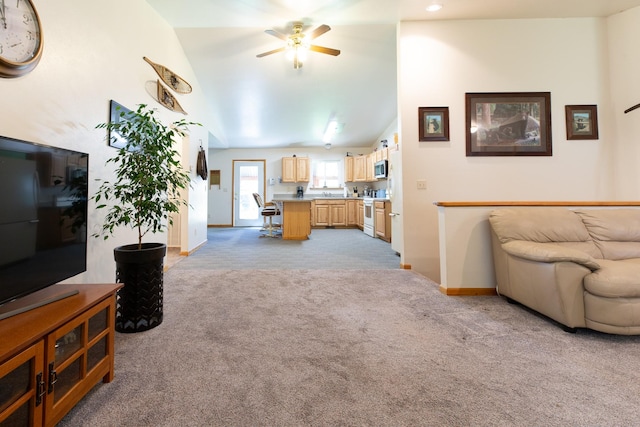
[{"x": 266, "y": 103}]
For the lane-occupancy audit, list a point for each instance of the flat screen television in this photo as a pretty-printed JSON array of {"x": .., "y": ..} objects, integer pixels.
[{"x": 43, "y": 211}]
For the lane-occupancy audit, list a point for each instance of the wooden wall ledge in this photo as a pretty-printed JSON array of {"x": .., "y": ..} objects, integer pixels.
[{"x": 524, "y": 203}]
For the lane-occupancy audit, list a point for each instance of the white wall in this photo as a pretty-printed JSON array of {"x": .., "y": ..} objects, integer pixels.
[
  {"x": 624, "y": 67},
  {"x": 93, "y": 53},
  {"x": 440, "y": 61}
]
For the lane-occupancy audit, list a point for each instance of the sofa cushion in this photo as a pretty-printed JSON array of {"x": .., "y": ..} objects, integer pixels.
[
  {"x": 543, "y": 225},
  {"x": 616, "y": 232},
  {"x": 615, "y": 279}
]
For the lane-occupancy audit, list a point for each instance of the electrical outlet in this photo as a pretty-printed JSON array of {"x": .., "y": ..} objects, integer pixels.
[{"x": 422, "y": 184}]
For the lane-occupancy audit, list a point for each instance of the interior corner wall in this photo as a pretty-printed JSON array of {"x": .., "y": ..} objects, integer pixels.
[
  {"x": 623, "y": 37},
  {"x": 441, "y": 61},
  {"x": 93, "y": 53}
]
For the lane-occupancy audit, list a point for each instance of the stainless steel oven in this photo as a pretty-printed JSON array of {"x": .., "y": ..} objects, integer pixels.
[{"x": 369, "y": 217}]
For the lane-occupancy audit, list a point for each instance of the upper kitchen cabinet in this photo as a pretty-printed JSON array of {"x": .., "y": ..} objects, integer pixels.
[
  {"x": 295, "y": 169},
  {"x": 348, "y": 169}
]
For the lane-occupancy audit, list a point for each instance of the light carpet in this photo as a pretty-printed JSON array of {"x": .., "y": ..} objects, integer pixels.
[{"x": 357, "y": 348}]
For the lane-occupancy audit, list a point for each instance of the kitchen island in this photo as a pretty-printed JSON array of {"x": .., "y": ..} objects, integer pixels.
[{"x": 296, "y": 217}]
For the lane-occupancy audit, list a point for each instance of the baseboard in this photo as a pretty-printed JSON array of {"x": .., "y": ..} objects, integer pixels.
[
  {"x": 187, "y": 253},
  {"x": 219, "y": 225},
  {"x": 468, "y": 291},
  {"x": 405, "y": 266}
]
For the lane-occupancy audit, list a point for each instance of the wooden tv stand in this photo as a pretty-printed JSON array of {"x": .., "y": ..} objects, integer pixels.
[{"x": 51, "y": 356}]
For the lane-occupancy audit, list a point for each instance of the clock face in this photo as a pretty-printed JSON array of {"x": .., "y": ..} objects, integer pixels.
[{"x": 20, "y": 37}]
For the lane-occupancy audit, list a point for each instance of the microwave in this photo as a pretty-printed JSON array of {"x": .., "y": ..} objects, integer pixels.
[{"x": 380, "y": 169}]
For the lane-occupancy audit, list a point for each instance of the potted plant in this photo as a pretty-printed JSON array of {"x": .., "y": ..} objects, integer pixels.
[{"x": 144, "y": 193}]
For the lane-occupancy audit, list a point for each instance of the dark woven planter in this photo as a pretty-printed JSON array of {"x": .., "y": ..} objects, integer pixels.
[{"x": 139, "y": 301}]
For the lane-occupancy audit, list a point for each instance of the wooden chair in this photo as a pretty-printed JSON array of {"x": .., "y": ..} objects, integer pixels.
[{"x": 268, "y": 210}]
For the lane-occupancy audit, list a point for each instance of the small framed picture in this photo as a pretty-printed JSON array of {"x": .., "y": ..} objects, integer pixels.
[
  {"x": 582, "y": 121},
  {"x": 433, "y": 123}
]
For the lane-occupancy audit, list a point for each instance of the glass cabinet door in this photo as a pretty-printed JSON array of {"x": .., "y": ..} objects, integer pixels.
[
  {"x": 22, "y": 387},
  {"x": 79, "y": 348}
]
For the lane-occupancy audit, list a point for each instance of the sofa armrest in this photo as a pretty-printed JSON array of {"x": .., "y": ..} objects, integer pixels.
[{"x": 546, "y": 252}]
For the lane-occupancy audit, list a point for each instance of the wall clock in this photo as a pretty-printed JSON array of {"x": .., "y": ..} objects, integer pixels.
[{"x": 20, "y": 38}]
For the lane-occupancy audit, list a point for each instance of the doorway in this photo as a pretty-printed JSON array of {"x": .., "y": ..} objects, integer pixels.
[{"x": 248, "y": 178}]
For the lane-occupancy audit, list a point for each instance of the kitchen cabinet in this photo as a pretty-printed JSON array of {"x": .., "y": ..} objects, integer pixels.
[
  {"x": 360, "y": 214},
  {"x": 348, "y": 169},
  {"x": 51, "y": 356},
  {"x": 296, "y": 169},
  {"x": 352, "y": 212},
  {"x": 360, "y": 169},
  {"x": 383, "y": 220},
  {"x": 329, "y": 213},
  {"x": 370, "y": 162}
]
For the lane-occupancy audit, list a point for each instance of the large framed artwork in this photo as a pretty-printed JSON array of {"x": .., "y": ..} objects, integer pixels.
[
  {"x": 508, "y": 124},
  {"x": 582, "y": 121},
  {"x": 433, "y": 123},
  {"x": 117, "y": 114}
]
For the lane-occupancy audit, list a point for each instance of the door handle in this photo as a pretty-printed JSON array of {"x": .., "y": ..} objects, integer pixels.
[{"x": 392, "y": 214}]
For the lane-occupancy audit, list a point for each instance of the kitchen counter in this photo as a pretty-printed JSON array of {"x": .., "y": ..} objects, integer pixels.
[{"x": 296, "y": 217}]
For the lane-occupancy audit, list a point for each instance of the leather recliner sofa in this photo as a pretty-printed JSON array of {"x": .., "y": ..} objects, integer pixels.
[{"x": 579, "y": 267}]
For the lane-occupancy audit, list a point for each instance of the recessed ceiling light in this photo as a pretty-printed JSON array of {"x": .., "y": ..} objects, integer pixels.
[{"x": 434, "y": 7}]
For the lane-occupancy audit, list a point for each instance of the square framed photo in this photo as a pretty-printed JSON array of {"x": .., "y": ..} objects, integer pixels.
[
  {"x": 582, "y": 121},
  {"x": 508, "y": 124},
  {"x": 433, "y": 123}
]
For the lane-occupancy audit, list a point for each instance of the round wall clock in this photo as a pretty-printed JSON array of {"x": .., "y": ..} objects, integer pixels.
[{"x": 20, "y": 37}]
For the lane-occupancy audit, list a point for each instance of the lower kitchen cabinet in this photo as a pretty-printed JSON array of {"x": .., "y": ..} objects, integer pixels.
[
  {"x": 360, "y": 214},
  {"x": 383, "y": 220},
  {"x": 352, "y": 212},
  {"x": 329, "y": 213},
  {"x": 51, "y": 356}
]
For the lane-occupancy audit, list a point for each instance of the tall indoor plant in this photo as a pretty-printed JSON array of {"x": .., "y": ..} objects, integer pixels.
[{"x": 145, "y": 191}]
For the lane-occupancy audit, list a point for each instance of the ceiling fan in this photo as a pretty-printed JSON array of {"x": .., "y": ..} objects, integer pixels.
[{"x": 298, "y": 43}]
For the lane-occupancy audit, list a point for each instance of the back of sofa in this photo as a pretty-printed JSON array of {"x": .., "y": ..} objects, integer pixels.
[
  {"x": 616, "y": 232},
  {"x": 553, "y": 225}
]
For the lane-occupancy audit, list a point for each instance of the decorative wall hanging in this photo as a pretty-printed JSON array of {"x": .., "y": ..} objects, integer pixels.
[
  {"x": 117, "y": 114},
  {"x": 168, "y": 100},
  {"x": 433, "y": 123},
  {"x": 170, "y": 78},
  {"x": 508, "y": 124},
  {"x": 582, "y": 121},
  {"x": 201, "y": 164}
]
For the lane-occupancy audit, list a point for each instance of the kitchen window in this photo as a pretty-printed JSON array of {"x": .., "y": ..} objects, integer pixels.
[{"x": 326, "y": 174}]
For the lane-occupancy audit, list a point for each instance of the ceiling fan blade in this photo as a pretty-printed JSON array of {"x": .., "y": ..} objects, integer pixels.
[
  {"x": 274, "y": 33},
  {"x": 318, "y": 31},
  {"x": 327, "y": 50},
  {"x": 280, "y": 49}
]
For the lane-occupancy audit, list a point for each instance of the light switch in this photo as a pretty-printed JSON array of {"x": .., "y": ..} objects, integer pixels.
[{"x": 422, "y": 184}]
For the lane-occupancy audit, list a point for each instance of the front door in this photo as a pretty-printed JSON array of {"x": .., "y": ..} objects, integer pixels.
[{"x": 248, "y": 178}]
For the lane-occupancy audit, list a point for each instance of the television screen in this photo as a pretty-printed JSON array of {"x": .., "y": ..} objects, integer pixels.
[{"x": 43, "y": 211}]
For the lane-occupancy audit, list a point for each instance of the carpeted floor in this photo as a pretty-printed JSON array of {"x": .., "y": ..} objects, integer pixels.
[{"x": 357, "y": 348}]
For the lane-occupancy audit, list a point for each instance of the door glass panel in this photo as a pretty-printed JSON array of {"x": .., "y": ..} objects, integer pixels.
[
  {"x": 67, "y": 379},
  {"x": 248, "y": 185},
  {"x": 19, "y": 418},
  {"x": 96, "y": 353},
  {"x": 68, "y": 344},
  {"x": 14, "y": 385},
  {"x": 97, "y": 324}
]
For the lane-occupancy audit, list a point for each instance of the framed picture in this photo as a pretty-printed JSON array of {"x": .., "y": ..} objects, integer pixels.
[
  {"x": 582, "y": 121},
  {"x": 117, "y": 114},
  {"x": 508, "y": 124},
  {"x": 433, "y": 123}
]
